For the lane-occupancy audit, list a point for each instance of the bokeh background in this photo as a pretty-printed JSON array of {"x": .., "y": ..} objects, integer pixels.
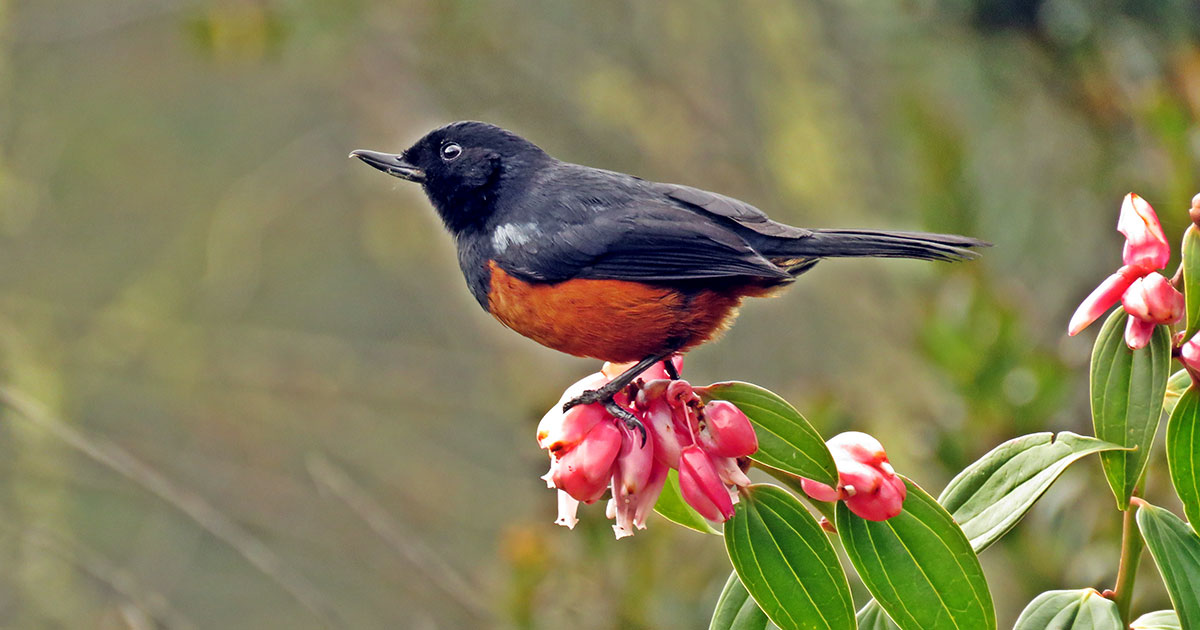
[{"x": 244, "y": 383}]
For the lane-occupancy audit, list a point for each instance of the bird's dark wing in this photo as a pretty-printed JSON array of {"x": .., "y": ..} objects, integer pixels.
[
  {"x": 737, "y": 211},
  {"x": 659, "y": 243}
]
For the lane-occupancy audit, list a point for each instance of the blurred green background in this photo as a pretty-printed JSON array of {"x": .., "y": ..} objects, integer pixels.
[{"x": 246, "y": 386}]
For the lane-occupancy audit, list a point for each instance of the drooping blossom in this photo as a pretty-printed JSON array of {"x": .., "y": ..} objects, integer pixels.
[
  {"x": 1189, "y": 356},
  {"x": 1146, "y": 295},
  {"x": 866, "y": 480},
  {"x": 1150, "y": 300},
  {"x": 593, "y": 453}
]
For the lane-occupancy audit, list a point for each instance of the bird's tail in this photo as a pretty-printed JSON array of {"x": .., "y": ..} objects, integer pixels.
[{"x": 883, "y": 244}]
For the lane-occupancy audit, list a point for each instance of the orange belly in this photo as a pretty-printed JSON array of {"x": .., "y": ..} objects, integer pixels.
[{"x": 612, "y": 320}]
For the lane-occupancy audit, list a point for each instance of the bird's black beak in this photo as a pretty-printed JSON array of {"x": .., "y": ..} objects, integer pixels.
[{"x": 390, "y": 163}]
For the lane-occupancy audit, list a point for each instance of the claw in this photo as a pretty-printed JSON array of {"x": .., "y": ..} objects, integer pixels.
[
  {"x": 605, "y": 394},
  {"x": 626, "y": 416}
]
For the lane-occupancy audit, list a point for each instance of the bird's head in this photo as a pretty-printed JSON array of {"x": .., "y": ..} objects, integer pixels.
[{"x": 461, "y": 166}]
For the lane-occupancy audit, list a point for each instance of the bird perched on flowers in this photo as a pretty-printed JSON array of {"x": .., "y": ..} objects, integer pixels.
[{"x": 601, "y": 264}]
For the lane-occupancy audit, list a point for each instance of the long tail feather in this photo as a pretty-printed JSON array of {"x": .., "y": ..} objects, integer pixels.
[{"x": 883, "y": 244}]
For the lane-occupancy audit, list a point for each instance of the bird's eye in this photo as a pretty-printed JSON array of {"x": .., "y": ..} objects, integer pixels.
[{"x": 450, "y": 151}]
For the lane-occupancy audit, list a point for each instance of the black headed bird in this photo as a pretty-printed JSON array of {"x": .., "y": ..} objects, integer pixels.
[{"x": 601, "y": 264}]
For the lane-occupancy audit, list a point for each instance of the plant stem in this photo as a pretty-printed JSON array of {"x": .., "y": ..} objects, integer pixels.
[{"x": 1131, "y": 553}]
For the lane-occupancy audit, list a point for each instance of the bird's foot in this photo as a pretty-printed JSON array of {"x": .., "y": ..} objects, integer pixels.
[
  {"x": 610, "y": 389},
  {"x": 624, "y": 415},
  {"x": 605, "y": 396},
  {"x": 602, "y": 395}
]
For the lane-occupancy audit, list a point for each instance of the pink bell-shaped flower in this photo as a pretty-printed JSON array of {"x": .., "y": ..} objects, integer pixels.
[
  {"x": 1147, "y": 296},
  {"x": 592, "y": 452},
  {"x": 659, "y": 420},
  {"x": 857, "y": 446},
  {"x": 1103, "y": 298},
  {"x": 882, "y": 503},
  {"x": 866, "y": 480},
  {"x": 1189, "y": 354},
  {"x": 725, "y": 431},
  {"x": 701, "y": 487},
  {"x": 585, "y": 470},
  {"x": 1146, "y": 245},
  {"x": 1150, "y": 301}
]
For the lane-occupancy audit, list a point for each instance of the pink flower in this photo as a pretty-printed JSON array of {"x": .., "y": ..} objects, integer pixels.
[
  {"x": 584, "y": 471},
  {"x": 1103, "y": 298},
  {"x": 1145, "y": 243},
  {"x": 636, "y": 482},
  {"x": 1189, "y": 356},
  {"x": 725, "y": 431},
  {"x": 592, "y": 452},
  {"x": 701, "y": 487},
  {"x": 866, "y": 481},
  {"x": 1150, "y": 302}
]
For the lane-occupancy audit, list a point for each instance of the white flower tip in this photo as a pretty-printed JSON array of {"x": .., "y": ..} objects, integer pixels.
[{"x": 569, "y": 523}]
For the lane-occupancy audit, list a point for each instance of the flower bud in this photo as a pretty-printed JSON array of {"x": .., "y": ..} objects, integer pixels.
[
  {"x": 680, "y": 393},
  {"x": 1153, "y": 299},
  {"x": 1146, "y": 245},
  {"x": 857, "y": 446},
  {"x": 585, "y": 470},
  {"x": 886, "y": 501},
  {"x": 701, "y": 487},
  {"x": 561, "y": 430},
  {"x": 725, "y": 431},
  {"x": 630, "y": 509},
  {"x": 1189, "y": 354},
  {"x": 1194, "y": 211},
  {"x": 651, "y": 391},
  {"x": 866, "y": 481},
  {"x": 857, "y": 478},
  {"x": 634, "y": 461},
  {"x": 1150, "y": 301},
  {"x": 658, "y": 420}
]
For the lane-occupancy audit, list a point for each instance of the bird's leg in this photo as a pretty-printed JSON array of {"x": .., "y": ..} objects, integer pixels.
[
  {"x": 605, "y": 393},
  {"x": 669, "y": 366}
]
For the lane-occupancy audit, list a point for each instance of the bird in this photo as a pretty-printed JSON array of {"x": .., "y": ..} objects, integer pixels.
[{"x": 601, "y": 264}]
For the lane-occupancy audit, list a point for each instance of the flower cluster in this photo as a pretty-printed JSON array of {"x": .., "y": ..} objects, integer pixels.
[
  {"x": 1147, "y": 296},
  {"x": 592, "y": 452},
  {"x": 866, "y": 481}
]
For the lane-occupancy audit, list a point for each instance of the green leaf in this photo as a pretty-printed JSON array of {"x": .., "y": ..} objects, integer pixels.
[
  {"x": 736, "y": 610},
  {"x": 919, "y": 566},
  {"x": 785, "y": 439},
  {"x": 1176, "y": 551},
  {"x": 989, "y": 497},
  {"x": 872, "y": 617},
  {"x": 1176, "y": 385},
  {"x": 1128, "y": 390},
  {"x": 1082, "y": 609},
  {"x": 1183, "y": 452},
  {"x": 786, "y": 562},
  {"x": 1191, "y": 279},
  {"x": 672, "y": 507},
  {"x": 1158, "y": 620}
]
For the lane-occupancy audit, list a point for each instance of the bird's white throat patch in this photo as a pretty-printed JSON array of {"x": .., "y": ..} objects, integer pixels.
[{"x": 513, "y": 234}]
